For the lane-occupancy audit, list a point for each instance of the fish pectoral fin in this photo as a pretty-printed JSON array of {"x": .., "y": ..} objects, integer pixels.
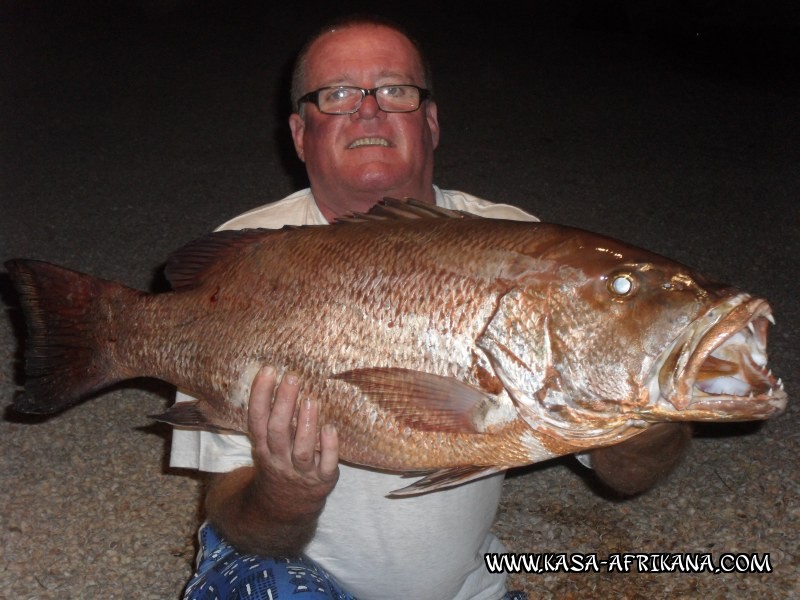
[
  {"x": 446, "y": 478},
  {"x": 422, "y": 400}
]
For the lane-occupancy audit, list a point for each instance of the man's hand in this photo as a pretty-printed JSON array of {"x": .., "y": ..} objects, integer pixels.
[
  {"x": 641, "y": 462},
  {"x": 297, "y": 466},
  {"x": 272, "y": 507}
]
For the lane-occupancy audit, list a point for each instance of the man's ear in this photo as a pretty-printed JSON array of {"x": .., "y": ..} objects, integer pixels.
[
  {"x": 298, "y": 127},
  {"x": 432, "y": 115}
]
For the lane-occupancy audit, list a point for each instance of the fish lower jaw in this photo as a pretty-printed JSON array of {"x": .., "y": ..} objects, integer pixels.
[
  {"x": 749, "y": 392},
  {"x": 744, "y": 395},
  {"x": 732, "y": 400}
]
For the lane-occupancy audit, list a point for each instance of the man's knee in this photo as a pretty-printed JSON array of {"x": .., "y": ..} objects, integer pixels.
[{"x": 223, "y": 572}]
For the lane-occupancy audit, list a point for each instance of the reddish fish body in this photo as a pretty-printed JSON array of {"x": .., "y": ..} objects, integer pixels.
[{"x": 435, "y": 343}]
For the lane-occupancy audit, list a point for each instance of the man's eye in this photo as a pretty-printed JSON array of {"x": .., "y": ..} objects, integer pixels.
[
  {"x": 393, "y": 91},
  {"x": 337, "y": 95}
]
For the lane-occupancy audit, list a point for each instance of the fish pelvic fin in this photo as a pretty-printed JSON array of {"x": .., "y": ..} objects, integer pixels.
[
  {"x": 422, "y": 400},
  {"x": 445, "y": 478},
  {"x": 66, "y": 354}
]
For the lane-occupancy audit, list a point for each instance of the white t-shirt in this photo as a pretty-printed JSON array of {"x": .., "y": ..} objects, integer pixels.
[{"x": 428, "y": 546}]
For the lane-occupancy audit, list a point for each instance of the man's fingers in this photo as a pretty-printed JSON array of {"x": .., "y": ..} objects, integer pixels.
[
  {"x": 305, "y": 437},
  {"x": 286, "y": 435},
  {"x": 328, "y": 453},
  {"x": 279, "y": 429},
  {"x": 258, "y": 410}
]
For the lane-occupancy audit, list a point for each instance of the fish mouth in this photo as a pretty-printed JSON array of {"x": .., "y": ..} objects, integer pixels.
[
  {"x": 716, "y": 370},
  {"x": 369, "y": 141}
]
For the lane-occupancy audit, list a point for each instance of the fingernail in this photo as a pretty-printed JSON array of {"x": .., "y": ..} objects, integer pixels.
[
  {"x": 329, "y": 429},
  {"x": 266, "y": 371},
  {"x": 292, "y": 378}
]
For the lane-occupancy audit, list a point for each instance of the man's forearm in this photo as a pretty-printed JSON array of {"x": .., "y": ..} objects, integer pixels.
[{"x": 253, "y": 520}]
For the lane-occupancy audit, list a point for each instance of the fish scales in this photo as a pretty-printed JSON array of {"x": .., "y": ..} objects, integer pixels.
[{"x": 391, "y": 314}]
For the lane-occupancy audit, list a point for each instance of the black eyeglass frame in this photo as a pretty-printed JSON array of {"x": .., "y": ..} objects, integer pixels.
[{"x": 313, "y": 97}]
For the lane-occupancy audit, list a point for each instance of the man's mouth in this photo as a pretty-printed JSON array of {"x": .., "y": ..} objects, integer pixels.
[{"x": 369, "y": 141}]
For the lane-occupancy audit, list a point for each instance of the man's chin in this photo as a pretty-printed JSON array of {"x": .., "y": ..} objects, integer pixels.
[{"x": 379, "y": 178}]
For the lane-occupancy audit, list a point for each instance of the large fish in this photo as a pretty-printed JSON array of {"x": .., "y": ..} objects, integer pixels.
[{"x": 435, "y": 342}]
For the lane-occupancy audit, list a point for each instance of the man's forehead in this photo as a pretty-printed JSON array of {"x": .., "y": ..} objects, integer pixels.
[
  {"x": 373, "y": 31},
  {"x": 382, "y": 77},
  {"x": 363, "y": 43}
]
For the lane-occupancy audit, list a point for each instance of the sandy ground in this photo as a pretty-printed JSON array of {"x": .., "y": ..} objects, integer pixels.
[{"x": 127, "y": 136}]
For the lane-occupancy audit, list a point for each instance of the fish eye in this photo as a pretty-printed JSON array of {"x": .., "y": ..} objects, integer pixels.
[{"x": 622, "y": 285}]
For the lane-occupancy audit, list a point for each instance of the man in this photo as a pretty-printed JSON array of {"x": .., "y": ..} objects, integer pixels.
[
  {"x": 296, "y": 498},
  {"x": 366, "y": 127}
]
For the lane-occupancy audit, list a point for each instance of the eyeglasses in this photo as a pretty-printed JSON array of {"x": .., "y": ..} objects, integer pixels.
[{"x": 347, "y": 99}]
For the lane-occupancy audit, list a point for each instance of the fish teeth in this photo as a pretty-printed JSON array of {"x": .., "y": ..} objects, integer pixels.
[
  {"x": 751, "y": 327},
  {"x": 771, "y": 319}
]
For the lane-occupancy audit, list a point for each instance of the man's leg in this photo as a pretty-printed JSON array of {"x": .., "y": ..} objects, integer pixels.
[{"x": 225, "y": 574}]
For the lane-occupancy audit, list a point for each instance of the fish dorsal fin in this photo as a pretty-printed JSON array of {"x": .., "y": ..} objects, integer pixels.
[
  {"x": 187, "y": 266},
  {"x": 421, "y": 400},
  {"x": 405, "y": 209}
]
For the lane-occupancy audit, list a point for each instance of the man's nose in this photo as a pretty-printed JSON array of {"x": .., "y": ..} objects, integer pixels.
[{"x": 369, "y": 108}]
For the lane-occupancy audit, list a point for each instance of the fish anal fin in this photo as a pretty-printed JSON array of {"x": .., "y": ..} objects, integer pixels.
[
  {"x": 192, "y": 414},
  {"x": 184, "y": 414},
  {"x": 423, "y": 401},
  {"x": 446, "y": 478}
]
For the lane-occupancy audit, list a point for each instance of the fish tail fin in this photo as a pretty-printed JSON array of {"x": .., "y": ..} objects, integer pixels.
[{"x": 67, "y": 355}]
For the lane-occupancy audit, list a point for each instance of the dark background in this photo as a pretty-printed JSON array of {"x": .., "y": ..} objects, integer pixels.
[{"x": 128, "y": 128}]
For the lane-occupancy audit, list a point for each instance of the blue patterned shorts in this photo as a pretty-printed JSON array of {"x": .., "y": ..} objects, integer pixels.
[{"x": 225, "y": 574}]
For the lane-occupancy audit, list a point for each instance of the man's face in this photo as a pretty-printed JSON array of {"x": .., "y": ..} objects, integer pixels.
[{"x": 354, "y": 160}]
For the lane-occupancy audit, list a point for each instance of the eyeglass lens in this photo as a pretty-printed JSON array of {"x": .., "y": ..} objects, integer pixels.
[{"x": 390, "y": 98}]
